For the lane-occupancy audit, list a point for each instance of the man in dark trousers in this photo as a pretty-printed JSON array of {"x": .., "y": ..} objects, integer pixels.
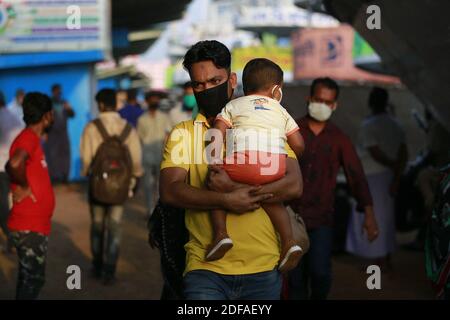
[{"x": 327, "y": 149}]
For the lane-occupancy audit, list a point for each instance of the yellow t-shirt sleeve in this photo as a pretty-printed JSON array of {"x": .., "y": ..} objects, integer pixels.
[
  {"x": 177, "y": 149},
  {"x": 290, "y": 153}
]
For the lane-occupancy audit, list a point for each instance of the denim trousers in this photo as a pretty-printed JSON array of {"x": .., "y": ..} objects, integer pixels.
[
  {"x": 311, "y": 279},
  {"x": 208, "y": 285},
  {"x": 105, "y": 236}
]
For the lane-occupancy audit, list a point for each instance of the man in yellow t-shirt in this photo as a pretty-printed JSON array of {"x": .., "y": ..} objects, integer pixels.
[{"x": 248, "y": 270}]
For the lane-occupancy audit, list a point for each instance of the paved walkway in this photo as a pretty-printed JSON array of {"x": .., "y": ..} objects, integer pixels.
[{"x": 138, "y": 268}]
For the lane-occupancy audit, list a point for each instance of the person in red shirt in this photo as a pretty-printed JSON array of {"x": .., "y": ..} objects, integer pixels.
[{"x": 33, "y": 197}]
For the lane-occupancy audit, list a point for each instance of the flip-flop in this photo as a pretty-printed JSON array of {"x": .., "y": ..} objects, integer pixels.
[
  {"x": 219, "y": 250},
  {"x": 291, "y": 259}
]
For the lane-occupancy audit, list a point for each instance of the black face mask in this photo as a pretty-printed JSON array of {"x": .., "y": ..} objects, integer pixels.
[{"x": 211, "y": 101}]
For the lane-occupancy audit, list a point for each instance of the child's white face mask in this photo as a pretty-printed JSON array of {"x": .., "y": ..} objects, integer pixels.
[{"x": 281, "y": 93}]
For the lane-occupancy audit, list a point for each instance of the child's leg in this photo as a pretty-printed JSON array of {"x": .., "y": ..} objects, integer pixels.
[
  {"x": 221, "y": 241},
  {"x": 290, "y": 251},
  {"x": 280, "y": 220},
  {"x": 219, "y": 224}
]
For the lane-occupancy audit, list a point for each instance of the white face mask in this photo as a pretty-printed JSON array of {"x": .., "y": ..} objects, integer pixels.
[
  {"x": 319, "y": 111},
  {"x": 281, "y": 93}
]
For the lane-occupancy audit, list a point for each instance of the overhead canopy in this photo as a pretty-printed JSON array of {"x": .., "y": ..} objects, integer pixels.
[
  {"x": 413, "y": 43},
  {"x": 142, "y": 14},
  {"x": 131, "y": 16}
]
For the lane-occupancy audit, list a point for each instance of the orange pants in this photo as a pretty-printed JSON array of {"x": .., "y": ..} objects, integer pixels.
[{"x": 255, "y": 167}]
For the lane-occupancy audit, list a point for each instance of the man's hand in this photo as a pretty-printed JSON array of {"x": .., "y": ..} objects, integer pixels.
[
  {"x": 243, "y": 200},
  {"x": 370, "y": 224},
  {"x": 219, "y": 181},
  {"x": 393, "y": 188},
  {"x": 21, "y": 193}
]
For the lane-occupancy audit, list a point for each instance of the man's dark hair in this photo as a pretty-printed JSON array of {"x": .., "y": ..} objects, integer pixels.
[
  {"x": 378, "y": 99},
  {"x": 260, "y": 74},
  {"x": 208, "y": 50},
  {"x": 327, "y": 83},
  {"x": 107, "y": 97},
  {"x": 132, "y": 94},
  {"x": 56, "y": 86},
  {"x": 155, "y": 93},
  {"x": 35, "y": 106},
  {"x": 187, "y": 85}
]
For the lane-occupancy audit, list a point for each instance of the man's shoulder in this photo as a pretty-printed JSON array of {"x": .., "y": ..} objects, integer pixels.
[
  {"x": 338, "y": 133},
  {"x": 26, "y": 137},
  {"x": 24, "y": 134},
  {"x": 186, "y": 125}
]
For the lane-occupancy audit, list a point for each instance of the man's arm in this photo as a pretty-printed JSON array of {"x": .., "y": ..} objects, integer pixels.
[
  {"x": 68, "y": 109},
  {"x": 379, "y": 156},
  {"x": 86, "y": 150},
  {"x": 176, "y": 192},
  {"x": 399, "y": 168},
  {"x": 287, "y": 188},
  {"x": 359, "y": 187},
  {"x": 16, "y": 170}
]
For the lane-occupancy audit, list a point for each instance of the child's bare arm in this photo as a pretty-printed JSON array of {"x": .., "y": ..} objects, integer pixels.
[
  {"x": 222, "y": 126},
  {"x": 296, "y": 142}
]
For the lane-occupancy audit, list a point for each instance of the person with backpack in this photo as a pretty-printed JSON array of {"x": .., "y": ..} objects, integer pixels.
[{"x": 111, "y": 154}]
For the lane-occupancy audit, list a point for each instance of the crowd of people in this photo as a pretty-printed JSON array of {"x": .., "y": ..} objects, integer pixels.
[{"x": 241, "y": 243}]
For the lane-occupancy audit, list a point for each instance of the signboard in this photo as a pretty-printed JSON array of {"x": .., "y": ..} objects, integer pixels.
[
  {"x": 329, "y": 52},
  {"x": 56, "y": 25},
  {"x": 280, "y": 55}
]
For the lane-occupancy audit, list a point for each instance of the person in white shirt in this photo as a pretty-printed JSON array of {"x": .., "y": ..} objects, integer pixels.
[
  {"x": 10, "y": 127},
  {"x": 15, "y": 106},
  {"x": 382, "y": 146},
  {"x": 152, "y": 128}
]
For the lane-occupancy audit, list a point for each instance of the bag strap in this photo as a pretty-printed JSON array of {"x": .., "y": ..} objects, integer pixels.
[
  {"x": 126, "y": 131},
  {"x": 101, "y": 129}
]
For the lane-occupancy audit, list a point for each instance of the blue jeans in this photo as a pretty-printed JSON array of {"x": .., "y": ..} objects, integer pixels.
[
  {"x": 208, "y": 285},
  {"x": 151, "y": 185},
  {"x": 105, "y": 236},
  {"x": 311, "y": 279}
]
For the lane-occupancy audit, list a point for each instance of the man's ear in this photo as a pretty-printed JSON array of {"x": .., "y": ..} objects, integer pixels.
[
  {"x": 233, "y": 80},
  {"x": 334, "y": 106}
]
